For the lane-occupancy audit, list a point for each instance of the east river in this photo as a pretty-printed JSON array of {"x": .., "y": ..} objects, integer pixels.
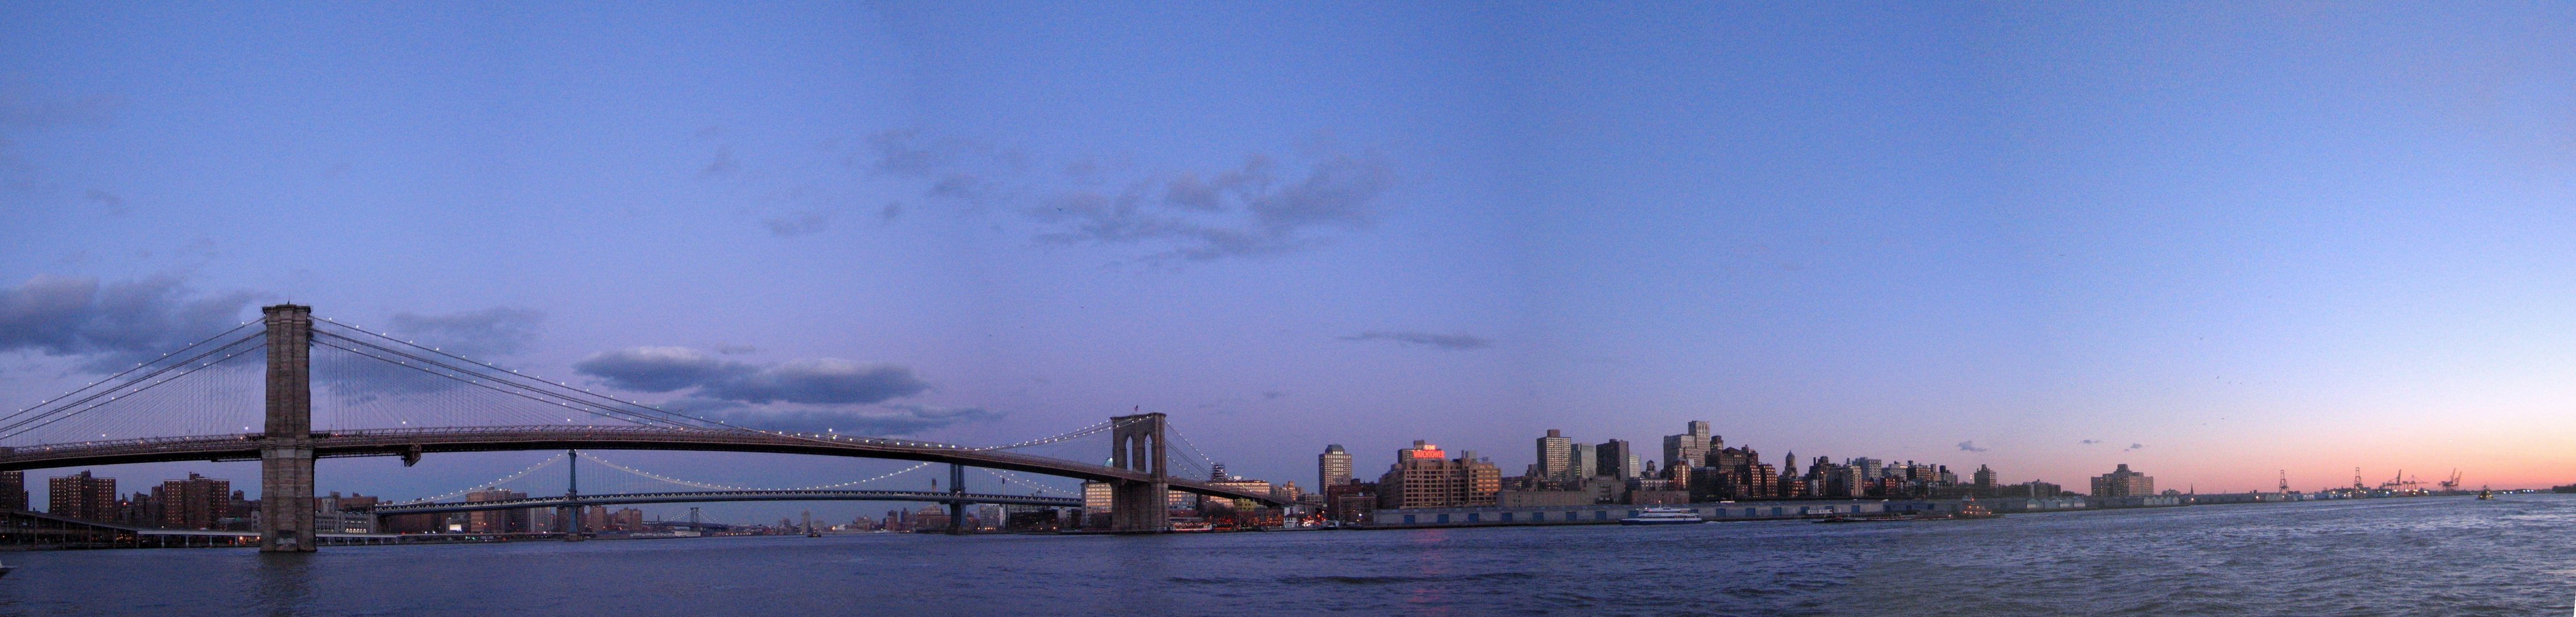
[{"x": 2424, "y": 556}]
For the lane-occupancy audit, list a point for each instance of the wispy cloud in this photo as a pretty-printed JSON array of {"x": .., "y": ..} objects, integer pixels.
[
  {"x": 1971, "y": 446},
  {"x": 1443, "y": 341},
  {"x": 2134, "y": 446},
  {"x": 1263, "y": 206},
  {"x": 798, "y": 223}
]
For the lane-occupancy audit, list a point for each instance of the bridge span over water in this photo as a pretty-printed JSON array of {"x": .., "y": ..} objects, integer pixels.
[
  {"x": 288, "y": 447},
  {"x": 612, "y": 499}
]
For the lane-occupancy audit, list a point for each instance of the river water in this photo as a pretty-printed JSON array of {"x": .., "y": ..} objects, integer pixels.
[{"x": 2426, "y": 556}]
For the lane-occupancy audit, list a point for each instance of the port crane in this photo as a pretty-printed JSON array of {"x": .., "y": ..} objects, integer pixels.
[
  {"x": 2398, "y": 483},
  {"x": 2452, "y": 484}
]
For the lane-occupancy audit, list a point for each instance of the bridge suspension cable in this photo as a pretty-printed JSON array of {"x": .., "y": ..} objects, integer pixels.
[
  {"x": 54, "y": 410},
  {"x": 1012, "y": 478},
  {"x": 516, "y": 384},
  {"x": 503, "y": 480},
  {"x": 1208, "y": 467},
  {"x": 1066, "y": 436},
  {"x": 722, "y": 487}
]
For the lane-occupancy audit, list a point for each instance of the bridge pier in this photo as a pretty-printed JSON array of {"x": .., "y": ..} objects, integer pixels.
[
  {"x": 957, "y": 507},
  {"x": 1136, "y": 444},
  {"x": 286, "y": 449}
]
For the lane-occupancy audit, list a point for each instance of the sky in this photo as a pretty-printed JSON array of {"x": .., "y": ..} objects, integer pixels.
[{"x": 2218, "y": 243}]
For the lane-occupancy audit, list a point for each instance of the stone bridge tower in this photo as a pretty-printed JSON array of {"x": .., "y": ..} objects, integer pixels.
[
  {"x": 1136, "y": 444},
  {"x": 286, "y": 449}
]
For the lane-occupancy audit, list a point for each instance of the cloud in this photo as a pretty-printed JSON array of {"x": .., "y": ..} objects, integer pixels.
[
  {"x": 892, "y": 210},
  {"x": 1443, "y": 341},
  {"x": 2135, "y": 446},
  {"x": 114, "y": 205},
  {"x": 1971, "y": 446},
  {"x": 1261, "y": 207},
  {"x": 2089, "y": 441},
  {"x": 496, "y": 331},
  {"x": 114, "y": 324},
  {"x": 798, "y": 223},
  {"x": 735, "y": 350},
  {"x": 811, "y": 381},
  {"x": 892, "y": 419},
  {"x": 658, "y": 369},
  {"x": 1272, "y": 395},
  {"x": 723, "y": 165}
]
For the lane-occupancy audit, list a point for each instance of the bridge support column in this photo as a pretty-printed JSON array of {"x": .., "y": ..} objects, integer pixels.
[
  {"x": 957, "y": 507},
  {"x": 286, "y": 449},
  {"x": 1136, "y": 444}
]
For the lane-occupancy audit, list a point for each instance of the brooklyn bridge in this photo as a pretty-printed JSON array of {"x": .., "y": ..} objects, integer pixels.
[{"x": 139, "y": 416}]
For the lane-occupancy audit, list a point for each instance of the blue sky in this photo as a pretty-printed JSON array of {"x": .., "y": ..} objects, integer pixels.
[{"x": 2241, "y": 238}]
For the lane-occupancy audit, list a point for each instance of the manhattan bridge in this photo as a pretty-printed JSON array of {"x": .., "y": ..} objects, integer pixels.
[{"x": 395, "y": 398}]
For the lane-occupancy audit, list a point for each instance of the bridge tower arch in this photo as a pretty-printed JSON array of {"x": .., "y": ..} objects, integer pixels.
[
  {"x": 286, "y": 448},
  {"x": 1136, "y": 444}
]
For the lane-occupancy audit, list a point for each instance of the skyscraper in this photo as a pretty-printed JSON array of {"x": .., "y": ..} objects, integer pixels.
[
  {"x": 1984, "y": 480},
  {"x": 1617, "y": 460},
  {"x": 1333, "y": 467},
  {"x": 198, "y": 502},
  {"x": 1587, "y": 460},
  {"x": 1555, "y": 457},
  {"x": 1687, "y": 450}
]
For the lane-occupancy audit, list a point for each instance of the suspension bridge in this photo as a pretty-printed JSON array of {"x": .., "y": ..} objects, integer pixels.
[{"x": 447, "y": 403}]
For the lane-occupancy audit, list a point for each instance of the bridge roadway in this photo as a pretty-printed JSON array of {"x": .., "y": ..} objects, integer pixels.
[
  {"x": 413, "y": 442},
  {"x": 712, "y": 496}
]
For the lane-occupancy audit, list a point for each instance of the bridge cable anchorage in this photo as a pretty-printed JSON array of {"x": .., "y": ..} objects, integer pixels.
[
  {"x": 722, "y": 487},
  {"x": 22, "y": 425},
  {"x": 495, "y": 483}
]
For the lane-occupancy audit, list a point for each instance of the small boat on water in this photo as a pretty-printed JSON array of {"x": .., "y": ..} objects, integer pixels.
[
  {"x": 2484, "y": 494},
  {"x": 6, "y": 569},
  {"x": 1663, "y": 516}
]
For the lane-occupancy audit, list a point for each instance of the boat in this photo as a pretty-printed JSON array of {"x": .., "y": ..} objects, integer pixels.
[
  {"x": 2484, "y": 494},
  {"x": 6, "y": 569},
  {"x": 1663, "y": 516}
]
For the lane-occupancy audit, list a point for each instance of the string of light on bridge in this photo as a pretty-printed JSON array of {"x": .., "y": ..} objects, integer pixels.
[
  {"x": 723, "y": 487},
  {"x": 504, "y": 479}
]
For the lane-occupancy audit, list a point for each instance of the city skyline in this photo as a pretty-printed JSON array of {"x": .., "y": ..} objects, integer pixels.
[{"x": 2046, "y": 239}]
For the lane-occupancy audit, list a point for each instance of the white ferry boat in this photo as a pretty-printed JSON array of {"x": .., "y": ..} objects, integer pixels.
[{"x": 1663, "y": 516}]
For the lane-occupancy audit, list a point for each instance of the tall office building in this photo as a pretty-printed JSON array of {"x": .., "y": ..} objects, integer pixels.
[
  {"x": 1587, "y": 460},
  {"x": 13, "y": 490},
  {"x": 1555, "y": 457},
  {"x": 2123, "y": 483},
  {"x": 1687, "y": 450},
  {"x": 1333, "y": 467},
  {"x": 1984, "y": 479},
  {"x": 82, "y": 496},
  {"x": 1617, "y": 460}
]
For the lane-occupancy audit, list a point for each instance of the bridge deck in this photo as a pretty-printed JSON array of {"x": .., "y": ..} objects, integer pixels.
[
  {"x": 715, "y": 496},
  {"x": 399, "y": 442}
]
